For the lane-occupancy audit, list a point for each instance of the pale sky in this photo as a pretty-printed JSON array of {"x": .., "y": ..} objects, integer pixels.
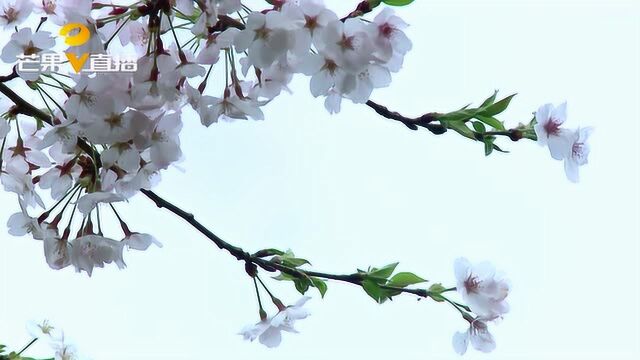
[{"x": 353, "y": 189}]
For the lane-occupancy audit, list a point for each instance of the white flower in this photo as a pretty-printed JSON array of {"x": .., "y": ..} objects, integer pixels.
[
  {"x": 123, "y": 155},
  {"x": 348, "y": 44},
  {"x": 481, "y": 289},
  {"x": 215, "y": 43},
  {"x": 314, "y": 17},
  {"x": 268, "y": 331},
  {"x": 57, "y": 251},
  {"x": 266, "y": 38},
  {"x": 91, "y": 251},
  {"x": 208, "y": 18},
  {"x": 229, "y": 107},
  {"x": 14, "y": 12},
  {"x": 43, "y": 329},
  {"x": 65, "y": 351},
  {"x": 21, "y": 223},
  {"x": 479, "y": 335},
  {"x": 66, "y": 135},
  {"x": 165, "y": 142},
  {"x": 60, "y": 178},
  {"x": 21, "y": 159},
  {"x": 373, "y": 76},
  {"x": 391, "y": 42},
  {"x": 139, "y": 241},
  {"x": 28, "y": 43},
  {"x": 54, "y": 10},
  {"x": 549, "y": 120},
  {"x": 578, "y": 153},
  {"x": 89, "y": 202},
  {"x": 21, "y": 184}
]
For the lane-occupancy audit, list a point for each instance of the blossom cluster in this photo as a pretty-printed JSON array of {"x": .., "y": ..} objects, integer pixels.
[
  {"x": 55, "y": 337},
  {"x": 567, "y": 145},
  {"x": 131, "y": 122},
  {"x": 485, "y": 293}
]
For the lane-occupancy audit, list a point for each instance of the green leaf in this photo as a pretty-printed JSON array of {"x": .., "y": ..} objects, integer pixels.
[
  {"x": 397, "y": 2},
  {"x": 491, "y": 121},
  {"x": 404, "y": 279},
  {"x": 384, "y": 272},
  {"x": 435, "y": 292},
  {"x": 289, "y": 259},
  {"x": 461, "y": 128},
  {"x": 302, "y": 285},
  {"x": 319, "y": 284},
  {"x": 374, "y": 290},
  {"x": 497, "y": 148},
  {"x": 268, "y": 252},
  {"x": 498, "y": 107},
  {"x": 479, "y": 127},
  {"x": 488, "y": 145},
  {"x": 490, "y": 100}
]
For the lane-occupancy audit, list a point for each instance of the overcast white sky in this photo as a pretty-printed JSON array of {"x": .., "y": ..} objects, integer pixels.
[{"x": 354, "y": 190}]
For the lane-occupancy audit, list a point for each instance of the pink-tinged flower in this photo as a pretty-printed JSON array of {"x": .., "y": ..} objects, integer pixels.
[
  {"x": 215, "y": 43},
  {"x": 312, "y": 16},
  {"x": 269, "y": 330},
  {"x": 21, "y": 159},
  {"x": 61, "y": 177},
  {"x": 21, "y": 223},
  {"x": 54, "y": 10},
  {"x": 549, "y": 120},
  {"x": 391, "y": 42},
  {"x": 479, "y": 336},
  {"x": 229, "y": 107},
  {"x": 348, "y": 44},
  {"x": 14, "y": 12},
  {"x": 164, "y": 145},
  {"x": 140, "y": 241},
  {"x": 578, "y": 154},
  {"x": 24, "y": 42},
  {"x": 91, "y": 251},
  {"x": 265, "y": 38},
  {"x": 89, "y": 202},
  {"x": 21, "y": 184},
  {"x": 57, "y": 251},
  {"x": 481, "y": 288}
]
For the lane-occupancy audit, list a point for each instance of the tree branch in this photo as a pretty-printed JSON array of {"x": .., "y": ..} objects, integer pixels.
[
  {"x": 268, "y": 265},
  {"x": 424, "y": 121}
]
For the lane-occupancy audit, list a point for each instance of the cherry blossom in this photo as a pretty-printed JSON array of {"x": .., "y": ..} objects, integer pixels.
[
  {"x": 549, "y": 131},
  {"x": 479, "y": 336},
  {"x": 269, "y": 330},
  {"x": 57, "y": 251},
  {"x": 90, "y": 251},
  {"x": 24, "y": 42},
  {"x": 578, "y": 152},
  {"x": 14, "y": 12},
  {"x": 481, "y": 288},
  {"x": 89, "y": 201}
]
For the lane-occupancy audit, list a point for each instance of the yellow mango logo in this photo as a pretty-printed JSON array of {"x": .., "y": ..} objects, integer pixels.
[
  {"x": 76, "y": 34},
  {"x": 77, "y": 39},
  {"x": 77, "y": 62}
]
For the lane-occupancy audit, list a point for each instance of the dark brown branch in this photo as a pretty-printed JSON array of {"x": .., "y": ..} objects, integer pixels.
[
  {"x": 362, "y": 8},
  {"x": 265, "y": 264},
  {"x": 424, "y": 121}
]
